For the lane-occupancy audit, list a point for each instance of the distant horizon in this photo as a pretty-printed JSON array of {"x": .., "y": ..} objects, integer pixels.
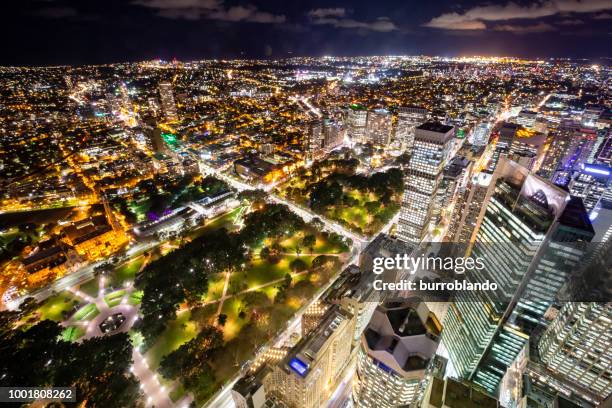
[{"x": 278, "y": 58}]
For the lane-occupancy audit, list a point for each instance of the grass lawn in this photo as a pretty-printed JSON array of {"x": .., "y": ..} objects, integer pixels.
[
  {"x": 127, "y": 271},
  {"x": 215, "y": 287},
  {"x": 233, "y": 325},
  {"x": 54, "y": 306},
  {"x": 135, "y": 298},
  {"x": 87, "y": 312},
  {"x": 178, "y": 332},
  {"x": 90, "y": 287},
  {"x": 73, "y": 333},
  {"x": 114, "y": 298}
]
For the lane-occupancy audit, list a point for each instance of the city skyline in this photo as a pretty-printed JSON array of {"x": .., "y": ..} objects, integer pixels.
[{"x": 306, "y": 232}]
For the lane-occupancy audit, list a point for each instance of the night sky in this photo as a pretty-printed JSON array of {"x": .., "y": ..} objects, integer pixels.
[{"x": 49, "y": 32}]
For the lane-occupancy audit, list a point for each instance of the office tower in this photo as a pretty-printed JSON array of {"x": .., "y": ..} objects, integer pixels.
[
  {"x": 505, "y": 136},
  {"x": 333, "y": 134},
  {"x": 166, "y": 98},
  {"x": 481, "y": 134},
  {"x": 527, "y": 148},
  {"x": 314, "y": 140},
  {"x": 576, "y": 346},
  {"x": 379, "y": 127},
  {"x": 450, "y": 393},
  {"x": 310, "y": 372},
  {"x": 356, "y": 123},
  {"x": 592, "y": 183},
  {"x": 154, "y": 139},
  {"x": 529, "y": 383},
  {"x": 432, "y": 144},
  {"x": 571, "y": 147},
  {"x": 408, "y": 118},
  {"x": 454, "y": 181},
  {"x": 604, "y": 152},
  {"x": 469, "y": 209},
  {"x": 531, "y": 237},
  {"x": 353, "y": 292},
  {"x": 396, "y": 355}
]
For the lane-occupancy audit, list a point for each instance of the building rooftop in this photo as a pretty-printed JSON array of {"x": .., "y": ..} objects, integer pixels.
[
  {"x": 454, "y": 394},
  {"x": 435, "y": 127},
  {"x": 403, "y": 335}
]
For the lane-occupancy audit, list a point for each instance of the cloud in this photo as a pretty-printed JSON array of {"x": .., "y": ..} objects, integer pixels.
[
  {"x": 209, "y": 9},
  {"x": 571, "y": 22},
  {"x": 57, "y": 12},
  {"x": 512, "y": 11},
  {"x": 337, "y": 17},
  {"x": 382, "y": 24},
  {"x": 246, "y": 13},
  {"x": 327, "y": 12},
  {"x": 602, "y": 16},
  {"x": 525, "y": 29}
]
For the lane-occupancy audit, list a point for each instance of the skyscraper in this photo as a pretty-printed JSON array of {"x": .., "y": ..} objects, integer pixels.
[
  {"x": 531, "y": 236},
  {"x": 166, "y": 97},
  {"x": 397, "y": 355},
  {"x": 592, "y": 183},
  {"x": 576, "y": 346},
  {"x": 356, "y": 123},
  {"x": 379, "y": 127},
  {"x": 432, "y": 144},
  {"x": 408, "y": 118},
  {"x": 314, "y": 140}
]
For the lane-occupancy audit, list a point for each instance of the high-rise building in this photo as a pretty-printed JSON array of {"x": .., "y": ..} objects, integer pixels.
[
  {"x": 408, "y": 118},
  {"x": 379, "y": 127},
  {"x": 469, "y": 209},
  {"x": 314, "y": 140},
  {"x": 312, "y": 369},
  {"x": 592, "y": 183},
  {"x": 531, "y": 236},
  {"x": 454, "y": 181},
  {"x": 432, "y": 145},
  {"x": 397, "y": 355},
  {"x": 166, "y": 98},
  {"x": 576, "y": 346},
  {"x": 356, "y": 121},
  {"x": 333, "y": 134}
]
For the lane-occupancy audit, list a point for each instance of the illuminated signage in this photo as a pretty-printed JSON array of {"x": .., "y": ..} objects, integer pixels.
[
  {"x": 596, "y": 170},
  {"x": 298, "y": 366}
]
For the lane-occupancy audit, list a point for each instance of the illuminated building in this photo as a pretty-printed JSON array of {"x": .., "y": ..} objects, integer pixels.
[
  {"x": 408, "y": 118},
  {"x": 604, "y": 153},
  {"x": 432, "y": 144},
  {"x": 166, "y": 98},
  {"x": 527, "y": 118},
  {"x": 396, "y": 355},
  {"x": 333, "y": 134},
  {"x": 356, "y": 121},
  {"x": 454, "y": 181},
  {"x": 309, "y": 373},
  {"x": 481, "y": 133},
  {"x": 576, "y": 346},
  {"x": 314, "y": 140},
  {"x": 592, "y": 183},
  {"x": 379, "y": 127},
  {"x": 530, "y": 239},
  {"x": 468, "y": 209}
]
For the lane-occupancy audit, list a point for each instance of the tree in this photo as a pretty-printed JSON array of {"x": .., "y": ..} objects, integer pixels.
[
  {"x": 190, "y": 361},
  {"x": 298, "y": 265},
  {"x": 309, "y": 241},
  {"x": 222, "y": 319}
]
